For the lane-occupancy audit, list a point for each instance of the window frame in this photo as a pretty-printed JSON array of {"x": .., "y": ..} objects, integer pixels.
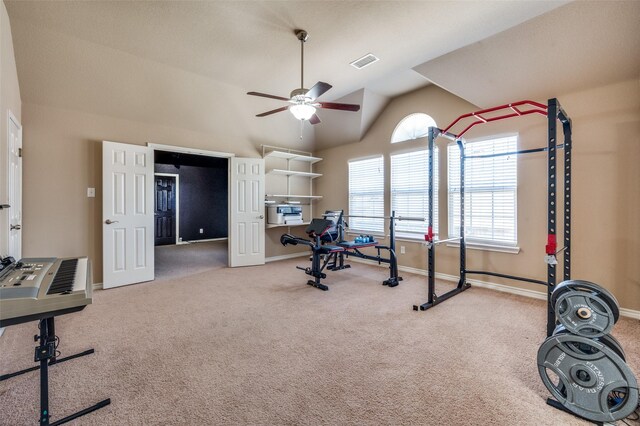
[
  {"x": 474, "y": 242},
  {"x": 354, "y": 229},
  {"x": 418, "y": 234},
  {"x": 405, "y": 119}
]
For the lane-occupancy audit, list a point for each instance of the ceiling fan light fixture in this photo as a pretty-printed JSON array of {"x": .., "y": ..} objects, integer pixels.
[{"x": 302, "y": 111}]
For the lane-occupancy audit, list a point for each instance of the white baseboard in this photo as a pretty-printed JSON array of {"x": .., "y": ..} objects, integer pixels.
[
  {"x": 629, "y": 313},
  {"x": 97, "y": 286},
  {"x": 286, "y": 256},
  {"x": 1, "y": 331}
]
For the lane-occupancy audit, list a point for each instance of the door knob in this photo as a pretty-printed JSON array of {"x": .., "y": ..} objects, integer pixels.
[
  {"x": 261, "y": 216},
  {"x": 16, "y": 227},
  {"x": 109, "y": 221}
]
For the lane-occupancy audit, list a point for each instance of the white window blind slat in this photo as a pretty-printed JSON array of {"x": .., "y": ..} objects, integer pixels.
[
  {"x": 409, "y": 190},
  {"x": 490, "y": 191},
  {"x": 366, "y": 194}
]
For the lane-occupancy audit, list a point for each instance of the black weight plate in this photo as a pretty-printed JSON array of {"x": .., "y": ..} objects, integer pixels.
[
  {"x": 607, "y": 340},
  {"x": 587, "y": 377},
  {"x": 597, "y": 318},
  {"x": 589, "y": 287}
]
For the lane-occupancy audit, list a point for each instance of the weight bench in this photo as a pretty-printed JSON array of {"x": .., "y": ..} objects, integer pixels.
[{"x": 330, "y": 254}]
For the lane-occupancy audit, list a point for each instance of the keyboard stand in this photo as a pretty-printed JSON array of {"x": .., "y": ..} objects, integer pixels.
[{"x": 45, "y": 353}]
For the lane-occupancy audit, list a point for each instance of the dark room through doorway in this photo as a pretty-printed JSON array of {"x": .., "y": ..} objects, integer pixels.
[{"x": 191, "y": 213}]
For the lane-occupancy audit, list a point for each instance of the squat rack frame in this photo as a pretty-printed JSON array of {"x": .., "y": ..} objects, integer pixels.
[{"x": 554, "y": 113}]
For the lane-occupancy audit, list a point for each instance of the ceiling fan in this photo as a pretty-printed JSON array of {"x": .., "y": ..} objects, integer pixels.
[{"x": 303, "y": 101}]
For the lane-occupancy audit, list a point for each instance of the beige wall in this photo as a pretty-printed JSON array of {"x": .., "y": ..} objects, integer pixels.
[
  {"x": 9, "y": 101},
  {"x": 606, "y": 185},
  {"x": 62, "y": 158}
]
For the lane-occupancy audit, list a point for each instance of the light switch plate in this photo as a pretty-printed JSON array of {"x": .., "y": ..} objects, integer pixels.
[{"x": 91, "y": 192}]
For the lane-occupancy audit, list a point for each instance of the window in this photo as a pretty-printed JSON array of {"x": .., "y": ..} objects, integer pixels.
[
  {"x": 413, "y": 126},
  {"x": 409, "y": 191},
  {"x": 490, "y": 192},
  {"x": 366, "y": 194}
]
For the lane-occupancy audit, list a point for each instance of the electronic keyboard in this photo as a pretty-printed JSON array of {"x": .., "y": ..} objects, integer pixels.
[{"x": 37, "y": 288}]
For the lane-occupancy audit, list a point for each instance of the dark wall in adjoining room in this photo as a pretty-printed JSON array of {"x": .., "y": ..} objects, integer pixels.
[{"x": 203, "y": 192}]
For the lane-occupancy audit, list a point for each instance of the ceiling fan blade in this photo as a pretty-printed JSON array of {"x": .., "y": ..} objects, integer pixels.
[
  {"x": 341, "y": 107},
  {"x": 273, "y": 111},
  {"x": 318, "y": 89},
  {"x": 264, "y": 95},
  {"x": 314, "y": 119}
]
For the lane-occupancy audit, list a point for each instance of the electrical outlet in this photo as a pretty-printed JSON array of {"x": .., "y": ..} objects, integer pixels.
[
  {"x": 201, "y": 231},
  {"x": 401, "y": 249},
  {"x": 91, "y": 192}
]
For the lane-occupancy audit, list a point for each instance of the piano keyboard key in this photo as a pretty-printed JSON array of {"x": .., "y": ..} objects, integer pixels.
[{"x": 64, "y": 278}]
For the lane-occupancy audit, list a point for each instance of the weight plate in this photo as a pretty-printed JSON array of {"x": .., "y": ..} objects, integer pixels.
[
  {"x": 588, "y": 287},
  {"x": 584, "y": 314},
  {"x": 607, "y": 340},
  {"x": 587, "y": 377}
]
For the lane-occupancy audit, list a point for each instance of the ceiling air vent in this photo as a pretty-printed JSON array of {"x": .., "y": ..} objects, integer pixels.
[{"x": 366, "y": 60}]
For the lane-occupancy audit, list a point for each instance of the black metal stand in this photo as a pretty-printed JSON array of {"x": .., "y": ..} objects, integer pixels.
[
  {"x": 556, "y": 404},
  {"x": 554, "y": 113},
  {"x": 45, "y": 354}
]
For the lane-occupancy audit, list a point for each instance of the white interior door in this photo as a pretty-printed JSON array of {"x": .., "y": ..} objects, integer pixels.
[
  {"x": 246, "y": 212},
  {"x": 14, "y": 190},
  {"x": 127, "y": 214}
]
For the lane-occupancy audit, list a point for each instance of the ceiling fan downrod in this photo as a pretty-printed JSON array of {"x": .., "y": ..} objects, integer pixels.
[{"x": 303, "y": 36}]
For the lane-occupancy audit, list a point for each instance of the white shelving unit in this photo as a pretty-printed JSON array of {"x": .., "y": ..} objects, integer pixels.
[{"x": 289, "y": 180}]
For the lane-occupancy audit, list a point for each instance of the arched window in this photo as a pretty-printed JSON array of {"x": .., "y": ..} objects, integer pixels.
[{"x": 413, "y": 126}]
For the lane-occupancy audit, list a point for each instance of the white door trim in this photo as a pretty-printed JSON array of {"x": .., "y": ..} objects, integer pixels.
[
  {"x": 177, "y": 176},
  {"x": 186, "y": 150},
  {"x": 6, "y": 245}
]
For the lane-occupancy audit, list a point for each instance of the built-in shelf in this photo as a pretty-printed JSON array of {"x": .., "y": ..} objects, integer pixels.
[
  {"x": 289, "y": 181},
  {"x": 309, "y": 197},
  {"x": 294, "y": 173},
  {"x": 292, "y": 156},
  {"x": 271, "y": 225}
]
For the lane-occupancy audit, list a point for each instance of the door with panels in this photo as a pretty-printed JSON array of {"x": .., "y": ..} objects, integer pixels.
[
  {"x": 127, "y": 214},
  {"x": 246, "y": 218}
]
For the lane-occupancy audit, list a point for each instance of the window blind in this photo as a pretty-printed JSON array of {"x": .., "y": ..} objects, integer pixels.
[
  {"x": 409, "y": 190},
  {"x": 490, "y": 192},
  {"x": 366, "y": 194}
]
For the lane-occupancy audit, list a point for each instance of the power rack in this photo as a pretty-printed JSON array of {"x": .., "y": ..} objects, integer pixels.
[{"x": 554, "y": 113}]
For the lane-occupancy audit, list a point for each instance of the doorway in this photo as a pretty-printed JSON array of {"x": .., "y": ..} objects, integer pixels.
[
  {"x": 166, "y": 214},
  {"x": 191, "y": 213}
]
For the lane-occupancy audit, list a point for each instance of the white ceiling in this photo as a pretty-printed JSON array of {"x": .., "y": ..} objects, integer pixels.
[{"x": 182, "y": 63}]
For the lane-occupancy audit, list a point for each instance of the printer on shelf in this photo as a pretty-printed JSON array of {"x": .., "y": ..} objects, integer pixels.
[{"x": 284, "y": 214}]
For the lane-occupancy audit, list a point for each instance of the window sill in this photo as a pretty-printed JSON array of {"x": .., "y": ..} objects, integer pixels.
[
  {"x": 488, "y": 247},
  {"x": 375, "y": 234},
  {"x": 417, "y": 238}
]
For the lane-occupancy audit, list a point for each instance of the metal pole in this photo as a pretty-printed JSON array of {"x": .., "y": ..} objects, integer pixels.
[
  {"x": 552, "y": 113},
  {"x": 566, "y": 258},
  {"x": 503, "y": 154},
  {"x": 431, "y": 252},
  {"x": 463, "y": 245},
  {"x": 44, "y": 372}
]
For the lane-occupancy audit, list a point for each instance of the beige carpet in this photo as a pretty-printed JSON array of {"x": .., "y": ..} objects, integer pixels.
[
  {"x": 257, "y": 346},
  {"x": 176, "y": 261}
]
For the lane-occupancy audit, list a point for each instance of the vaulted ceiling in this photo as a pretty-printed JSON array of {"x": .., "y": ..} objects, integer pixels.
[{"x": 189, "y": 64}]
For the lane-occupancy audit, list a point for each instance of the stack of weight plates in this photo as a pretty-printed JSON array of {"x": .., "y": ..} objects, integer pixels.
[{"x": 581, "y": 364}]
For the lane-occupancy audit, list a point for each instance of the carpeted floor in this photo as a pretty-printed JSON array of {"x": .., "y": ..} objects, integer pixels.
[
  {"x": 176, "y": 261},
  {"x": 257, "y": 346}
]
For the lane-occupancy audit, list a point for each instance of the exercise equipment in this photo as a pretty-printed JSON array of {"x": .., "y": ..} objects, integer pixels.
[
  {"x": 606, "y": 339},
  {"x": 329, "y": 250},
  {"x": 556, "y": 117},
  {"x": 587, "y": 377},
  {"x": 585, "y": 308},
  {"x": 581, "y": 364}
]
